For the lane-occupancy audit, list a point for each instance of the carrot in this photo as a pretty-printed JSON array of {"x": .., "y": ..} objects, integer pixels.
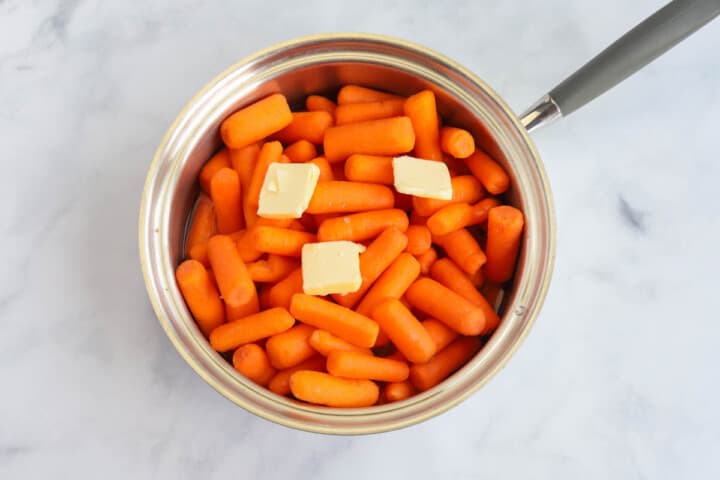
[
  {"x": 358, "y": 94},
  {"x": 426, "y": 376},
  {"x": 325, "y": 342},
  {"x": 405, "y": 331},
  {"x": 494, "y": 294},
  {"x": 344, "y": 197},
  {"x": 459, "y": 215},
  {"x": 275, "y": 268},
  {"x": 338, "y": 320},
  {"x": 256, "y": 121},
  {"x": 426, "y": 260},
  {"x": 252, "y": 361},
  {"x": 466, "y": 188},
  {"x": 243, "y": 241},
  {"x": 264, "y": 297},
  {"x": 220, "y": 160},
  {"x": 317, "y": 103},
  {"x": 437, "y": 300},
  {"x": 201, "y": 295},
  {"x": 361, "y": 226},
  {"x": 441, "y": 334},
  {"x": 250, "y": 329},
  {"x": 301, "y": 151},
  {"x": 397, "y": 355},
  {"x": 490, "y": 174},
  {"x": 373, "y": 261},
  {"x": 423, "y": 113},
  {"x": 227, "y": 198},
  {"x": 202, "y": 226},
  {"x": 281, "y": 293},
  {"x": 243, "y": 161},
  {"x": 505, "y": 225},
  {"x": 280, "y": 241},
  {"x": 397, "y": 391},
  {"x": 457, "y": 142},
  {"x": 280, "y": 383},
  {"x": 324, "y": 389},
  {"x": 369, "y": 168},
  {"x": 234, "y": 282},
  {"x": 269, "y": 153},
  {"x": 358, "y": 365},
  {"x": 462, "y": 247},
  {"x": 449, "y": 274},
  {"x": 326, "y": 173},
  {"x": 419, "y": 239},
  {"x": 291, "y": 347},
  {"x": 392, "y": 283},
  {"x": 387, "y": 136},
  {"x": 310, "y": 126},
  {"x": 362, "y": 112}
]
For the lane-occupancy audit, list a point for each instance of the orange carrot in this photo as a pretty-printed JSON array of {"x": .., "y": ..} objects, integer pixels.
[
  {"x": 310, "y": 126},
  {"x": 201, "y": 295},
  {"x": 437, "y": 300},
  {"x": 466, "y": 188},
  {"x": 250, "y": 329},
  {"x": 244, "y": 161},
  {"x": 345, "y": 197},
  {"x": 361, "y": 226},
  {"x": 426, "y": 376},
  {"x": 490, "y": 174},
  {"x": 280, "y": 383},
  {"x": 234, "y": 282},
  {"x": 462, "y": 247},
  {"x": 392, "y": 283},
  {"x": 423, "y": 114},
  {"x": 264, "y": 297},
  {"x": 275, "y": 268},
  {"x": 358, "y": 94},
  {"x": 325, "y": 342},
  {"x": 419, "y": 239},
  {"x": 426, "y": 260},
  {"x": 343, "y": 322},
  {"x": 252, "y": 361},
  {"x": 243, "y": 241},
  {"x": 456, "y": 166},
  {"x": 291, "y": 347},
  {"x": 269, "y": 153},
  {"x": 326, "y": 173},
  {"x": 281, "y": 293},
  {"x": 358, "y": 365},
  {"x": 387, "y": 136},
  {"x": 201, "y": 228},
  {"x": 397, "y": 391},
  {"x": 405, "y": 331},
  {"x": 280, "y": 241},
  {"x": 301, "y": 151},
  {"x": 369, "y": 168},
  {"x": 505, "y": 225},
  {"x": 220, "y": 160},
  {"x": 459, "y": 215},
  {"x": 457, "y": 142},
  {"x": 362, "y": 112},
  {"x": 338, "y": 170},
  {"x": 441, "y": 334},
  {"x": 227, "y": 198},
  {"x": 324, "y": 389},
  {"x": 256, "y": 121},
  {"x": 317, "y": 103}
]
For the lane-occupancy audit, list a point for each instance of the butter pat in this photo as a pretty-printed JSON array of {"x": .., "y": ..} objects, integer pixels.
[
  {"x": 287, "y": 189},
  {"x": 422, "y": 178},
  {"x": 331, "y": 267}
]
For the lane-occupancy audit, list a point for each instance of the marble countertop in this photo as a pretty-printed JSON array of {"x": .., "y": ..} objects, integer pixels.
[{"x": 618, "y": 379}]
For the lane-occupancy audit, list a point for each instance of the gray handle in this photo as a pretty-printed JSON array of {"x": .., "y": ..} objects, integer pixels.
[{"x": 654, "y": 36}]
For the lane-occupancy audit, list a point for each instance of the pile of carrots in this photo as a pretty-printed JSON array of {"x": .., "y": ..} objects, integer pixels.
[{"x": 433, "y": 270}]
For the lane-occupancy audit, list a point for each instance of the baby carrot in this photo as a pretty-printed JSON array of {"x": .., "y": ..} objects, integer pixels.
[
  {"x": 234, "y": 282},
  {"x": 343, "y": 322},
  {"x": 361, "y": 112},
  {"x": 250, "y": 329},
  {"x": 201, "y": 295},
  {"x": 441, "y": 334},
  {"x": 344, "y": 197},
  {"x": 397, "y": 391},
  {"x": 437, "y": 300},
  {"x": 326, "y": 173},
  {"x": 325, "y": 342},
  {"x": 227, "y": 198},
  {"x": 490, "y": 174},
  {"x": 256, "y": 121},
  {"x": 387, "y": 136},
  {"x": 361, "y": 366},
  {"x": 462, "y": 247},
  {"x": 317, "y": 103},
  {"x": 269, "y": 153},
  {"x": 361, "y": 226},
  {"x": 369, "y": 168},
  {"x": 392, "y": 283},
  {"x": 427, "y": 375},
  {"x": 358, "y": 94},
  {"x": 252, "y": 361},
  {"x": 280, "y": 241},
  {"x": 324, "y": 389},
  {"x": 373, "y": 261},
  {"x": 426, "y": 260},
  {"x": 280, "y": 383},
  {"x": 220, "y": 160},
  {"x": 310, "y": 126},
  {"x": 275, "y": 268},
  {"x": 459, "y": 215},
  {"x": 405, "y": 331},
  {"x": 243, "y": 161},
  {"x": 201, "y": 228},
  {"x": 419, "y": 239},
  {"x": 243, "y": 241},
  {"x": 466, "y": 188},
  {"x": 301, "y": 151},
  {"x": 423, "y": 113},
  {"x": 505, "y": 225},
  {"x": 281, "y": 293},
  {"x": 457, "y": 142},
  {"x": 291, "y": 347}
]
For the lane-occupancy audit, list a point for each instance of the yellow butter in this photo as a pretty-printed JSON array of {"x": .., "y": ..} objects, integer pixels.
[
  {"x": 287, "y": 189},
  {"x": 422, "y": 178},
  {"x": 331, "y": 267}
]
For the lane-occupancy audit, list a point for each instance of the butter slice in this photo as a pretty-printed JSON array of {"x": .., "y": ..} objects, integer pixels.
[
  {"x": 331, "y": 267},
  {"x": 422, "y": 178},
  {"x": 287, "y": 189}
]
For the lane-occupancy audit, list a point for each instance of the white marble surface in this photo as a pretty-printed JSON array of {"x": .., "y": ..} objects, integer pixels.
[{"x": 618, "y": 379}]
